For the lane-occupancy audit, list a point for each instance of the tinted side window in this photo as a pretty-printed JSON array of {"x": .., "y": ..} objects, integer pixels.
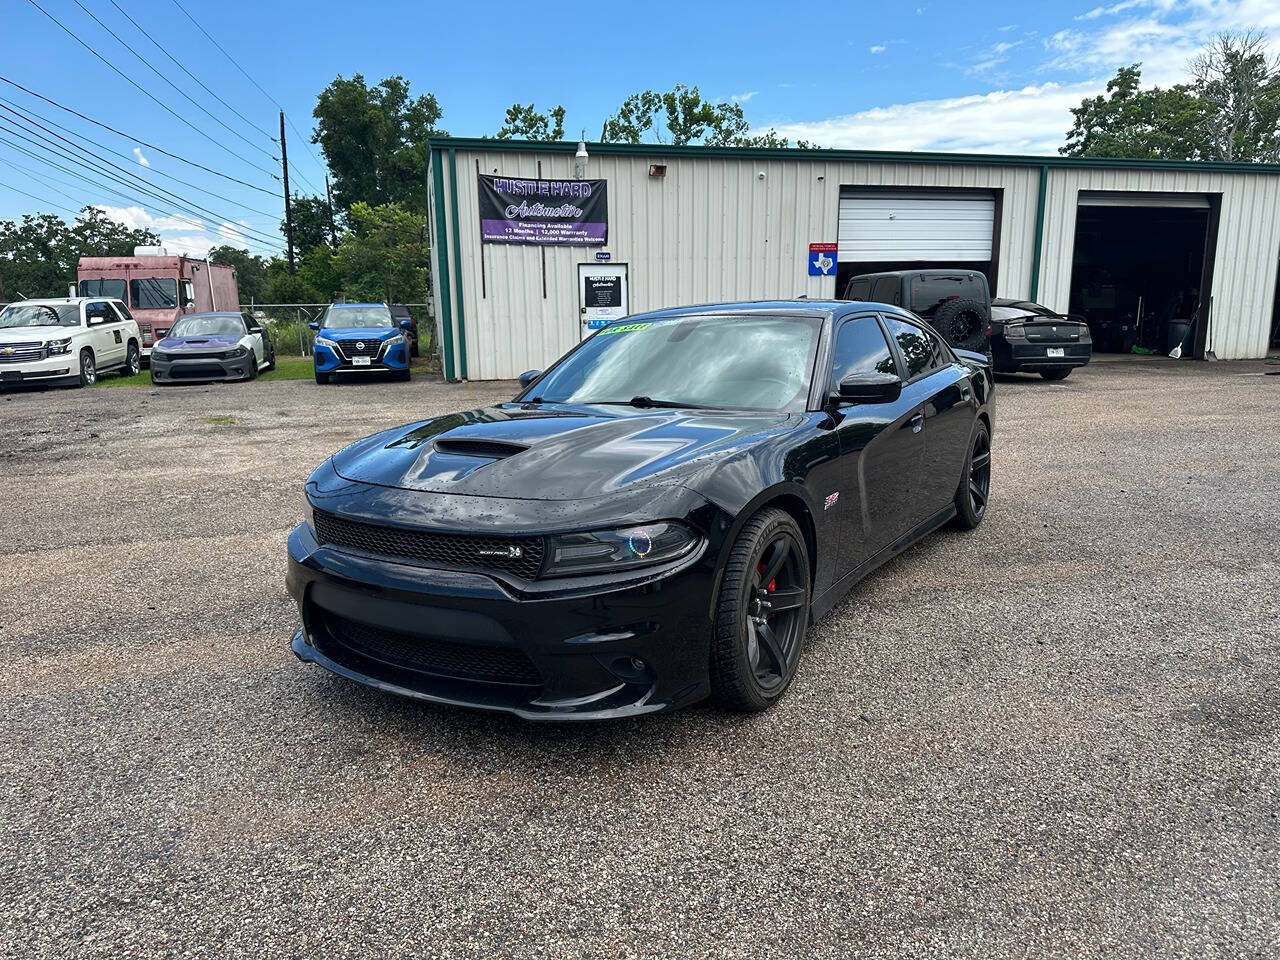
[
  {"x": 861, "y": 348},
  {"x": 887, "y": 290},
  {"x": 122, "y": 310},
  {"x": 98, "y": 310},
  {"x": 921, "y": 350},
  {"x": 858, "y": 290}
]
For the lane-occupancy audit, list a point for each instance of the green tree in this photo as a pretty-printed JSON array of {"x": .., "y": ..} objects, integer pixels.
[
  {"x": 251, "y": 271},
  {"x": 1238, "y": 84},
  {"x": 375, "y": 141},
  {"x": 285, "y": 287},
  {"x": 526, "y": 123},
  {"x": 1129, "y": 121},
  {"x": 681, "y": 116},
  {"x": 310, "y": 223},
  {"x": 318, "y": 269},
  {"x": 39, "y": 253},
  {"x": 384, "y": 255}
]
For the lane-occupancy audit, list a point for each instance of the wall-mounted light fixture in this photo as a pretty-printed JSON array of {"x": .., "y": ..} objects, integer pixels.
[{"x": 657, "y": 169}]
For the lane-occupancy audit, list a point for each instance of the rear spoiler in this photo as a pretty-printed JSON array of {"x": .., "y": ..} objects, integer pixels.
[{"x": 969, "y": 356}]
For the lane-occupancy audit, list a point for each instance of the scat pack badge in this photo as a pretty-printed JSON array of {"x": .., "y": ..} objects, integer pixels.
[{"x": 832, "y": 499}]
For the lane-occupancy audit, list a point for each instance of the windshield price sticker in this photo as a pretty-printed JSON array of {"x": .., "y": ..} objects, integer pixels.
[{"x": 625, "y": 328}]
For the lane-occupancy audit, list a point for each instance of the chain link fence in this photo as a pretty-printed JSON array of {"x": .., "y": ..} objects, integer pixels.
[{"x": 288, "y": 324}]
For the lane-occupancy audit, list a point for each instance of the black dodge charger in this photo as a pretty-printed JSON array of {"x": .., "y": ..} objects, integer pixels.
[{"x": 655, "y": 519}]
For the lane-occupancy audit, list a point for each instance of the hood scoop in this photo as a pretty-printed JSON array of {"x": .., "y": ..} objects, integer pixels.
[{"x": 488, "y": 449}]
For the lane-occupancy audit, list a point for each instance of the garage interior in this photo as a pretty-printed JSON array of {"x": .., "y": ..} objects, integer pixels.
[
  {"x": 1139, "y": 266},
  {"x": 883, "y": 230}
]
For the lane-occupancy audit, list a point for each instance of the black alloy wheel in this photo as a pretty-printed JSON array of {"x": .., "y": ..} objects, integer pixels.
[
  {"x": 975, "y": 486},
  {"x": 762, "y": 614}
]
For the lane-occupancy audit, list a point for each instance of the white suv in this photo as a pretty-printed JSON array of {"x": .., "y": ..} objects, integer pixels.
[{"x": 71, "y": 340}]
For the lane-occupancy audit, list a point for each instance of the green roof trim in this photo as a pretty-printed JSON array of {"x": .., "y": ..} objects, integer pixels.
[{"x": 659, "y": 150}]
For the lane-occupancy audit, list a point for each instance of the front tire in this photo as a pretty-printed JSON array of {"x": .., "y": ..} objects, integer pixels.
[
  {"x": 322, "y": 377},
  {"x": 761, "y": 614},
  {"x": 404, "y": 375},
  {"x": 88, "y": 368},
  {"x": 975, "y": 485},
  {"x": 1059, "y": 374}
]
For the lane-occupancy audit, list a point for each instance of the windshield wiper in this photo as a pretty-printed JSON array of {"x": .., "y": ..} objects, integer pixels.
[{"x": 643, "y": 401}]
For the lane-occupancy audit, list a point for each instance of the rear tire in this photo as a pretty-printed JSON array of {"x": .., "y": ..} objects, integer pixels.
[
  {"x": 1059, "y": 374},
  {"x": 132, "y": 361},
  {"x": 761, "y": 614},
  {"x": 88, "y": 368},
  {"x": 322, "y": 377},
  {"x": 963, "y": 324},
  {"x": 975, "y": 484}
]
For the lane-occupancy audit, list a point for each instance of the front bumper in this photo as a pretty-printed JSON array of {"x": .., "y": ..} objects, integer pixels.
[
  {"x": 554, "y": 651},
  {"x": 1011, "y": 356},
  {"x": 175, "y": 368},
  {"x": 395, "y": 357},
  {"x": 62, "y": 367}
]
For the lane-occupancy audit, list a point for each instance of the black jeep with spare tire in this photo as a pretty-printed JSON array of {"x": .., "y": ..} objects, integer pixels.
[{"x": 957, "y": 303}]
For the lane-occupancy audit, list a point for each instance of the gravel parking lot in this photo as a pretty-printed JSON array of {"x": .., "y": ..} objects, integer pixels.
[{"x": 1057, "y": 735}]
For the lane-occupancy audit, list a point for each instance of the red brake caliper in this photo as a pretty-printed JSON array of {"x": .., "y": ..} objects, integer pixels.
[{"x": 773, "y": 584}]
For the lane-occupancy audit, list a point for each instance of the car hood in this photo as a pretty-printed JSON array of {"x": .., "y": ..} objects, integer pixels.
[
  {"x": 553, "y": 453},
  {"x": 35, "y": 334},
  {"x": 197, "y": 344}
]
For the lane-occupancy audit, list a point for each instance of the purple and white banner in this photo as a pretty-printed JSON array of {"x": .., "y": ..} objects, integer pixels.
[{"x": 513, "y": 210}]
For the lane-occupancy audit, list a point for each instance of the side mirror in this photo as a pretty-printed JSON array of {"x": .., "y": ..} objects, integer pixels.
[
  {"x": 869, "y": 387},
  {"x": 406, "y": 324},
  {"x": 188, "y": 305},
  {"x": 528, "y": 377},
  {"x": 313, "y": 325}
]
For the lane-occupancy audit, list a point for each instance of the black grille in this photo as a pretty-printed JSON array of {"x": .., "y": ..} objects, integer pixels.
[
  {"x": 21, "y": 352},
  {"x": 439, "y": 657},
  {"x": 359, "y": 348},
  {"x": 519, "y": 555}
]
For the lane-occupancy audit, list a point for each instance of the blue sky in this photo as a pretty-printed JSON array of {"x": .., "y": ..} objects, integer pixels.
[{"x": 964, "y": 76}]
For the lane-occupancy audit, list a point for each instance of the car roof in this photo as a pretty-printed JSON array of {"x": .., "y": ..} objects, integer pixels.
[
  {"x": 214, "y": 313},
  {"x": 340, "y": 306},
  {"x": 53, "y": 301}
]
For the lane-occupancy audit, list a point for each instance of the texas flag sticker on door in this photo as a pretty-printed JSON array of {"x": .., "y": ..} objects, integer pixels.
[{"x": 822, "y": 259}]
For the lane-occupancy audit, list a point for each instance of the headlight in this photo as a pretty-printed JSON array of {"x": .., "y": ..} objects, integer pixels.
[
  {"x": 308, "y": 511},
  {"x": 55, "y": 347},
  {"x": 393, "y": 341},
  {"x": 605, "y": 550},
  {"x": 1015, "y": 331},
  {"x": 325, "y": 342}
]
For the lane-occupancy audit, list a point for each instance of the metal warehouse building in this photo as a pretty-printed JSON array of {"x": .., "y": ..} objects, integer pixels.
[{"x": 533, "y": 244}]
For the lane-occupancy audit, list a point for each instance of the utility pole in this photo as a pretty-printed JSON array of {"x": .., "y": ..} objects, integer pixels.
[
  {"x": 288, "y": 201},
  {"x": 333, "y": 231}
]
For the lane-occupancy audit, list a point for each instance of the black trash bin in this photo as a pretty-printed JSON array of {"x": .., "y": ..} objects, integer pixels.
[{"x": 1178, "y": 333}]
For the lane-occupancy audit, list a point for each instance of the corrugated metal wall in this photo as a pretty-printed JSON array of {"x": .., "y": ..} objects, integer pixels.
[
  {"x": 713, "y": 229},
  {"x": 709, "y": 230},
  {"x": 1244, "y": 278}
]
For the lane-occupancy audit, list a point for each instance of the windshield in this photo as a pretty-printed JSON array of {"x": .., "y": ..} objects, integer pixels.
[
  {"x": 753, "y": 362},
  {"x": 154, "y": 293},
  {"x": 206, "y": 325},
  {"x": 338, "y": 318},
  {"x": 40, "y": 315},
  {"x": 102, "y": 288}
]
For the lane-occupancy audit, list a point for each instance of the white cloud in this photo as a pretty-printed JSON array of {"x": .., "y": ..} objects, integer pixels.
[
  {"x": 1059, "y": 71},
  {"x": 743, "y": 97},
  {"x": 878, "y": 48},
  {"x": 1031, "y": 120},
  {"x": 138, "y": 155},
  {"x": 183, "y": 235}
]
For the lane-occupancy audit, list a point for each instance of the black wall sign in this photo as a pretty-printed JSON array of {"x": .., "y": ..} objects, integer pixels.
[{"x": 554, "y": 212}]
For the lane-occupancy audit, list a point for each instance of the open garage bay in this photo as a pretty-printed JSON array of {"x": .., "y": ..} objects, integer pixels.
[{"x": 1060, "y": 733}]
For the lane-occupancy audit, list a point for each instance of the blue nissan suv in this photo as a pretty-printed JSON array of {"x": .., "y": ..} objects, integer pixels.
[{"x": 360, "y": 337}]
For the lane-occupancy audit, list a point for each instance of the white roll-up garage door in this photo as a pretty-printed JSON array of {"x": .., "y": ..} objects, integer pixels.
[
  {"x": 878, "y": 227},
  {"x": 1111, "y": 198}
]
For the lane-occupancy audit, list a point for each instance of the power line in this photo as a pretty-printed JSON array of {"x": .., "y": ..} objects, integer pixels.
[
  {"x": 32, "y": 196},
  {"x": 138, "y": 140},
  {"x": 25, "y": 116},
  {"x": 305, "y": 139},
  {"x": 177, "y": 63},
  {"x": 179, "y": 90},
  {"x": 143, "y": 90},
  {"x": 189, "y": 207}
]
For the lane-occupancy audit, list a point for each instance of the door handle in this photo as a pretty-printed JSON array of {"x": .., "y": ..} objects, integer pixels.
[{"x": 917, "y": 422}]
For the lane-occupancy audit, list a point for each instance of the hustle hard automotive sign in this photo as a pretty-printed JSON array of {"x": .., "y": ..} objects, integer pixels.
[{"x": 513, "y": 210}]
